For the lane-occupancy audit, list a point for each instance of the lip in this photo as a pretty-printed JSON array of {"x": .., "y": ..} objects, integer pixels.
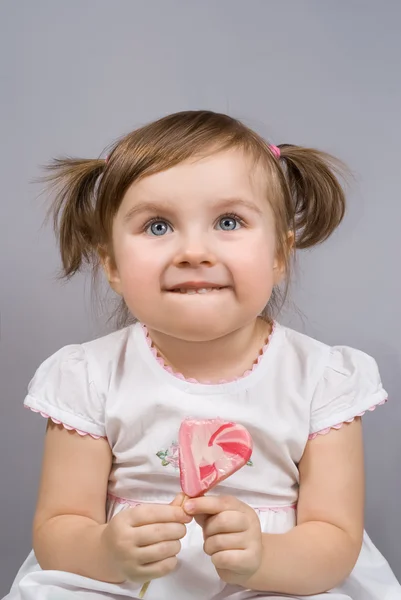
[{"x": 195, "y": 285}]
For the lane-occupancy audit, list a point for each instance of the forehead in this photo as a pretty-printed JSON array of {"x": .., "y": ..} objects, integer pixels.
[{"x": 226, "y": 173}]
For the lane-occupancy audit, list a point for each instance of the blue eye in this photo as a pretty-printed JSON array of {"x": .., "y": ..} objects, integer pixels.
[
  {"x": 158, "y": 228},
  {"x": 228, "y": 223}
]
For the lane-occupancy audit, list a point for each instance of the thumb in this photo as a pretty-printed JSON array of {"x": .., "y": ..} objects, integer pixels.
[{"x": 179, "y": 499}]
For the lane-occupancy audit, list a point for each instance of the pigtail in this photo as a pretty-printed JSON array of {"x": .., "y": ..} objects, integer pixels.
[
  {"x": 74, "y": 183},
  {"x": 317, "y": 195}
]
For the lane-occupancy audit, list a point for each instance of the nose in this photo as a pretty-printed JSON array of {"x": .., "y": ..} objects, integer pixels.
[{"x": 194, "y": 252}]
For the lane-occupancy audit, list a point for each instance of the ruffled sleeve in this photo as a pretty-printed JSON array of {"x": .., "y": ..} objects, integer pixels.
[
  {"x": 350, "y": 386},
  {"x": 62, "y": 390}
]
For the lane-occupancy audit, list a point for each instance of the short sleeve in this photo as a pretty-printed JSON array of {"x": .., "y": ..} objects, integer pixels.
[
  {"x": 63, "y": 391},
  {"x": 349, "y": 387}
]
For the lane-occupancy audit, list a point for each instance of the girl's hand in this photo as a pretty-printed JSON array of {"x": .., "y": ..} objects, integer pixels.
[
  {"x": 232, "y": 534},
  {"x": 142, "y": 543}
]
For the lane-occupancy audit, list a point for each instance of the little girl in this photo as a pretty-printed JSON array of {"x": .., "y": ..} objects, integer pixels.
[{"x": 194, "y": 219}]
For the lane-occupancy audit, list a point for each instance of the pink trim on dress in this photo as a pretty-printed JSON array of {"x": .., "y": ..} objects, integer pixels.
[
  {"x": 119, "y": 500},
  {"x": 327, "y": 430},
  {"x": 169, "y": 369},
  {"x": 68, "y": 427},
  {"x": 276, "y": 509}
]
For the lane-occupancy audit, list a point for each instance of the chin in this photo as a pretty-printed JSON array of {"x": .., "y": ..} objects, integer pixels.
[
  {"x": 197, "y": 330},
  {"x": 200, "y": 335}
]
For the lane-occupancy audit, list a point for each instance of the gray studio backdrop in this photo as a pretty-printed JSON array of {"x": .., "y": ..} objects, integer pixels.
[{"x": 75, "y": 75}]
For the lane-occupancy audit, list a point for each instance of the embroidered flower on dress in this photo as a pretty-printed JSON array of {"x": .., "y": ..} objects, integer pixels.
[{"x": 171, "y": 456}]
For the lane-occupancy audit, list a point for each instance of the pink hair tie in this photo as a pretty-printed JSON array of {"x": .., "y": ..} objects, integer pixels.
[{"x": 275, "y": 150}]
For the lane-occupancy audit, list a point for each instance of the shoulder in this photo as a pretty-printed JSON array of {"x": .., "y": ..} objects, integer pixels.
[
  {"x": 111, "y": 344},
  {"x": 71, "y": 385},
  {"x": 109, "y": 347},
  {"x": 105, "y": 355},
  {"x": 325, "y": 359},
  {"x": 342, "y": 382},
  {"x": 95, "y": 357},
  {"x": 304, "y": 357},
  {"x": 301, "y": 343}
]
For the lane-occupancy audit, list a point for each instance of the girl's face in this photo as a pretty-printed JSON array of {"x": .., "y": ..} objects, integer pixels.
[{"x": 194, "y": 247}]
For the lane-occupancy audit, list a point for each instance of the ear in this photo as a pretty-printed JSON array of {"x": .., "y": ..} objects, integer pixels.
[
  {"x": 280, "y": 264},
  {"x": 110, "y": 269}
]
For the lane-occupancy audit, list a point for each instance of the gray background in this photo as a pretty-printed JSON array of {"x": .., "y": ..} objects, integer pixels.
[{"x": 77, "y": 74}]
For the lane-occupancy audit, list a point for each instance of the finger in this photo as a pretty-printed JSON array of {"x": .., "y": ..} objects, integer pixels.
[
  {"x": 159, "y": 532},
  {"x": 230, "y": 560},
  {"x": 178, "y": 500},
  {"x": 201, "y": 519},
  {"x": 224, "y": 541},
  {"x": 147, "y": 514},
  {"x": 212, "y": 505},
  {"x": 229, "y": 521},
  {"x": 158, "y": 552},
  {"x": 156, "y": 570}
]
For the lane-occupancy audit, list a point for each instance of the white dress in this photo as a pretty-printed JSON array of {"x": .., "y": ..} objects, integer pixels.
[{"x": 118, "y": 387}]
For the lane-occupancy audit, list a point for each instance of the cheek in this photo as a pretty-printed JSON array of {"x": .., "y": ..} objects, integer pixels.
[
  {"x": 131, "y": 267},
  {"x": 255, "y": 260},
  {"x": 138, "y": 262},
  {"x": 139, "y": 280},
  {"x": 254, "y": 274}
]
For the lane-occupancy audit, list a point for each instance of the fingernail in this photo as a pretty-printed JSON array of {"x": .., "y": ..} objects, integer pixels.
[{"x": 189, "y": 506}]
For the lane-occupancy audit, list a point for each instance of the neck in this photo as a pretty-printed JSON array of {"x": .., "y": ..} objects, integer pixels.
[{"x": 225, "y": 358}]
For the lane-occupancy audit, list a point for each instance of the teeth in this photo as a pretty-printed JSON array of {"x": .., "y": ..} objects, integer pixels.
[{"x": 198, "y": 291}]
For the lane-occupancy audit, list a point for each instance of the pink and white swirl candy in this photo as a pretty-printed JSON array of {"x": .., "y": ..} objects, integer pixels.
[{"x": 210, "y": 451}]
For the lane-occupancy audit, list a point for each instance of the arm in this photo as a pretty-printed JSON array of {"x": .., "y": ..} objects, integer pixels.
[
  {"x": 71, "y": 505},
  {"x": 70, "y": 531},
  {"x": 321, "y": 551}
]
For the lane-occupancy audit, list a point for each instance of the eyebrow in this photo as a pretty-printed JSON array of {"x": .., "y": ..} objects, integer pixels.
[
  {"x": 228, "y": 203},
  {"x": 146, "y": 207},
  {"x": 154, "y": 207}
]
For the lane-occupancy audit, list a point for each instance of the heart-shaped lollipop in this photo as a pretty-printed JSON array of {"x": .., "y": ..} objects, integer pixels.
[{"x": 210, "y": 451}]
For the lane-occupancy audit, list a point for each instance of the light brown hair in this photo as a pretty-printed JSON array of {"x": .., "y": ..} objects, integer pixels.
[{"x": 302, "y": 185}]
